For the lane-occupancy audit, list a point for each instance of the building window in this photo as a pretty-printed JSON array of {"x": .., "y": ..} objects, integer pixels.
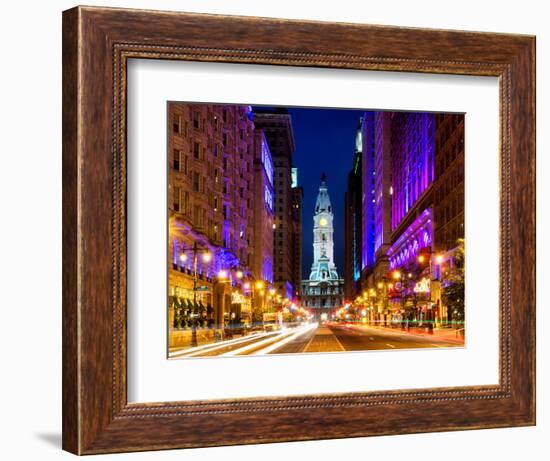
[
  {"x": 197, "y": 150},
  {"x": 196, "y": 181},
  {"x": 185, "y": 204},
  {"x": 197, "y": 120},
  {"x": 197, "y": 215},
  {"x": 176, "y": 160},
  {"x": 183, "y": 162},
  {"x": 176, "y": 126},
  {"x": 176, "y": 198}
]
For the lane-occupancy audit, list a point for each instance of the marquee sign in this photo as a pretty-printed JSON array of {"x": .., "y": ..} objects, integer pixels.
[
  {"x": 423, "y": 286},
  {"x": 237, "y": 298}
]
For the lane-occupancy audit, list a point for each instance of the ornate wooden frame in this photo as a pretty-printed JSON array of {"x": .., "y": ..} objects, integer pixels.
[{"x": 97, "y": 43}]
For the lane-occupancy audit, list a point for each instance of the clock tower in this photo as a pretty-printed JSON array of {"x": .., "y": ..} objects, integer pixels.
[
  {"x": 324, "y": 290},
  {"x": 323, "y": 236}
]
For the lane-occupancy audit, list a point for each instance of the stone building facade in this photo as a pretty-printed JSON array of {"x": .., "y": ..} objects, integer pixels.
[{"x": 214, "y": 152}]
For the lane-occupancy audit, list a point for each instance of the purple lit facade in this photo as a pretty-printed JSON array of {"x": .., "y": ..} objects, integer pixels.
[
  {"x": 411, "y": 211},
  {"x": 414, "y": 240},
  {"x": 262, "y": 258},
  {"x": 369, "y": 191},
  {"x": 412, "y": 142},
  {"x": 382, "y": 184}
]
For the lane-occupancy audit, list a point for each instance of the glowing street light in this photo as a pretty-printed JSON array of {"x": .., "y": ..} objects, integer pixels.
[
  {"x": 396, "y": 275},
  {"x": 183, "y": 257},
  {"x": 259, "y": 285},
  {"x": 222, "y": 274},
  {"x": 239, "y": 274},
  {"x": 439, "y": 259},
  {"x": 207, "y": 257}
]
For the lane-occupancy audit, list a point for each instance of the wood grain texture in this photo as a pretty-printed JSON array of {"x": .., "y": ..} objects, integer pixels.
[{"x": 97, "y": 42}]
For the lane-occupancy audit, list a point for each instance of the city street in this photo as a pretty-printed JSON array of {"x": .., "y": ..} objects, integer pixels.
[{"x": 317, "y": 338}]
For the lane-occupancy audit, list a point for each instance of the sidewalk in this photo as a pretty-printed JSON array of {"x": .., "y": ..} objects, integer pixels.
[{"x": 447, "y": 334}]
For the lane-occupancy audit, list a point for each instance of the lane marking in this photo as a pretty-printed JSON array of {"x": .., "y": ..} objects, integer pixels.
[
  {"x": 371, "y": 338},
  {"x": 390, "y": 345},
  {"x": 338, "y": 341}
]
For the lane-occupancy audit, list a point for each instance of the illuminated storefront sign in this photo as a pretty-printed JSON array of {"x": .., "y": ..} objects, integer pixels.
[
  {"x": 423, "y": 286},
  {"x": 237, "y": 298}
]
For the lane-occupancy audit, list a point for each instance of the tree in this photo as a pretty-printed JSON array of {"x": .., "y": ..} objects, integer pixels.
[{"x": 453, "y": 283}]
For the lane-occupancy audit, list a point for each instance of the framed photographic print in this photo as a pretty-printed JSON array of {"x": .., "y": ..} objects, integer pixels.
[{"x": 282, "y": 230}]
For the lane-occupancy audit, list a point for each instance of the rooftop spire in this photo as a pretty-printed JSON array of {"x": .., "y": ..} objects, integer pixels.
[{"x": 323, "y": 200}]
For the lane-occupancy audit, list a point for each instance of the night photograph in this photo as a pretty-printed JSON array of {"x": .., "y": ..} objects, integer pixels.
[{"x": 299, "y": 230}]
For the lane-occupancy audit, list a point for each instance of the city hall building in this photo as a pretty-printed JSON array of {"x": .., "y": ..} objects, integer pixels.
[{"x": 323, "y": 292}]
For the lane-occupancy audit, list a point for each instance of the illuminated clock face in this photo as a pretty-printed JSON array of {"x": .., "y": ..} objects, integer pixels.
[{"x": 323, "y": 222}]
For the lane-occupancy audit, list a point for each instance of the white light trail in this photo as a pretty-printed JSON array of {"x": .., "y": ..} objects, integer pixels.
[
  {"x": 280, "y": 333},
  {"x": 213, "y": 346},
  {"x": 286, "y": 340}
]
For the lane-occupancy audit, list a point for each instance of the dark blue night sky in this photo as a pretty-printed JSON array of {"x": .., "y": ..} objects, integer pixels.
[{"x": 325, "y": 141}]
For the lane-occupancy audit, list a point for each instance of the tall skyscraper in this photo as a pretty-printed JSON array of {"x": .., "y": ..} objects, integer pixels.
[
  {"x": 323, "y": 291},
  {"x": 297, "y": 197},
  {"x": 277, "y": 126},
  {"x": 353, "y": 218}
]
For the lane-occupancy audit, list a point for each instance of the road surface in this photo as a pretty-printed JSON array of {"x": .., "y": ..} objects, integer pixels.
[{"x": 316, "y": 338}]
